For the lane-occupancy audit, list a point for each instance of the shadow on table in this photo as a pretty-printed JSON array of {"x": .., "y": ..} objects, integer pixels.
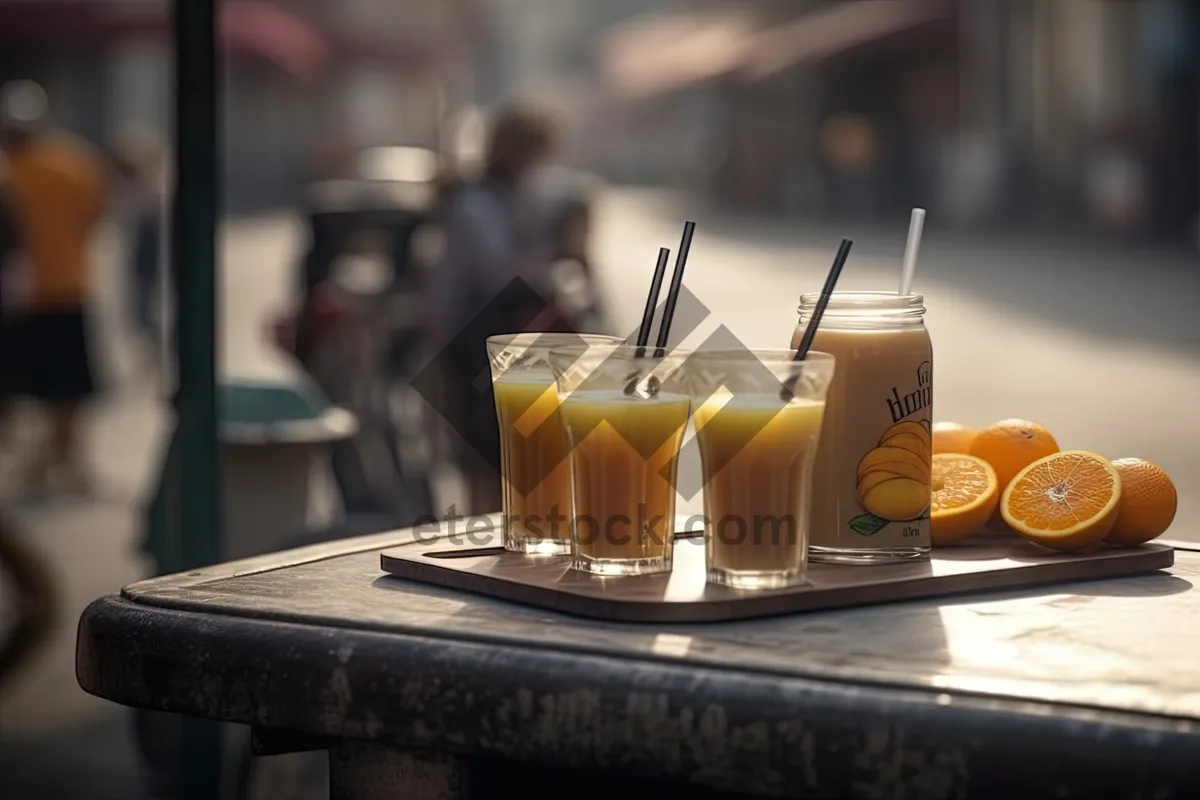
[{"x": 1155, "y": 584}]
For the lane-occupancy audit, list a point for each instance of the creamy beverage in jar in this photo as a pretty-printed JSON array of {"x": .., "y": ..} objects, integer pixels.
[{"x": 871, "y": 485}]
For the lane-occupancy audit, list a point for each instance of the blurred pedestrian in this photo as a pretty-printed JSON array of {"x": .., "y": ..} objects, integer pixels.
[
  {"x": 59, "y": 192},
  {"x": 143, "y": 194},
  {"x": 495, "y": 233}
]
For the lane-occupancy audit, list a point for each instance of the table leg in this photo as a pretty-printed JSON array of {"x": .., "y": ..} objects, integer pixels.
[{"x": 370, "y": 771}]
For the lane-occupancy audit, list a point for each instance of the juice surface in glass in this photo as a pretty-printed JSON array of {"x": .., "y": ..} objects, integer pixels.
[
  {"x": 757, "y": 453},
  {"x": 871, "y": 486},
  {"x": 535, "y": 470},
  {"x": 624, "y": 464}
]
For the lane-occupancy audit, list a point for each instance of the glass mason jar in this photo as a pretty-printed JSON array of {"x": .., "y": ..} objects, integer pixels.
[{"x": 872, "y": 482}]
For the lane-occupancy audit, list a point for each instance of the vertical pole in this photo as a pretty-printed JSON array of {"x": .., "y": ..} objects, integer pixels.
[
  {"x": 194, "y": 234},
  {"x": 194, "y": 237}
]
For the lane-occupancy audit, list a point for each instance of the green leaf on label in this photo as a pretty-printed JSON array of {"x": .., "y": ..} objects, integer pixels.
[{"x": 867, "y": 524}]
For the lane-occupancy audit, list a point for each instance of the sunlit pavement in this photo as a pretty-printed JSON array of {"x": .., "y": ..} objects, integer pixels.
[{"x": 1097, "y": 342}]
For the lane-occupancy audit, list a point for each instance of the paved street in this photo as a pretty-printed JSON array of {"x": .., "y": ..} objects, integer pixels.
[{"x": 1098, "y": 343}]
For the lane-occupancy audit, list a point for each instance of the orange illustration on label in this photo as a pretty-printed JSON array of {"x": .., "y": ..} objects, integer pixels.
[{"x": 894, "y": 477}]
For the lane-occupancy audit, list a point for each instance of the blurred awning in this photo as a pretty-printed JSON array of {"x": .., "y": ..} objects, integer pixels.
[
  {"x": 261, "y": 29},
  {"x": 421, "y": 56},
  {"x": 836, "y": 30},
  {"x": 662, "y": 52},
  {"x": 274, "y": 33}
]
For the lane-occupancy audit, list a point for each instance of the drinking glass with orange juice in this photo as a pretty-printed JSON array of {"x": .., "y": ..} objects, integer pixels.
[
  {"x": 533, "y": 443},
  {"x": 757, "y": 428},
  {"x": 624, "y": 413}
]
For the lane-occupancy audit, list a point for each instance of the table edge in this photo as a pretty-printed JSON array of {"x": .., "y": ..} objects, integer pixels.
[
  {"x": 109, "y": 614},
  {"x": 108, "y": 611}
]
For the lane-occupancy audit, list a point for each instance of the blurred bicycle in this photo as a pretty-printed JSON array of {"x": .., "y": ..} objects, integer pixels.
[{"x": 357, "y": 327}]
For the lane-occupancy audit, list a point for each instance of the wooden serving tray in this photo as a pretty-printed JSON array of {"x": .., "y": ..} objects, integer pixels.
[{"x": 990, "y": 560}]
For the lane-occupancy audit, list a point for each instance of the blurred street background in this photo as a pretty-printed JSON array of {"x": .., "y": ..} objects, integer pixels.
[{"x": 1055, "y": 144}]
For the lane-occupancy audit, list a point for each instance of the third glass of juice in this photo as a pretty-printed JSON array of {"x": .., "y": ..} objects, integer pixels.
[
  {"x": 533, "y": 445},
  {"x": 625, "y": 415},
  {"x": 871, "y": 489},
  {"x": 757, "y": 424}
]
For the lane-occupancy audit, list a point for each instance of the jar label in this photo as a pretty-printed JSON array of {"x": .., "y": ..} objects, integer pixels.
[{"x": 872, "y": 480}]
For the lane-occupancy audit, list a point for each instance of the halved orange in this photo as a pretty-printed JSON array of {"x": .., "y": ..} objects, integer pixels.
[
  {"x": 1065, "y": 501},
  {"x": 965, "y": 494}
]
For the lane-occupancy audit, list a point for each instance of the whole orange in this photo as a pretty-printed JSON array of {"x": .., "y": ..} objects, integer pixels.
[
  {"x": 950, "y": 437},
  {"x": 1011, "y": 445},
  {"x": 1148, "y": 502}
]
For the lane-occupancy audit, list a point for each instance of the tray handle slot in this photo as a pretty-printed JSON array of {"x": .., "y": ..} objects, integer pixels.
[{"x": 474, "y": 552}]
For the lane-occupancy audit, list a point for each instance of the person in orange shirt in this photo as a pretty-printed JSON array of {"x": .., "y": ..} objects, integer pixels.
[{"x": 59, "y": 192}]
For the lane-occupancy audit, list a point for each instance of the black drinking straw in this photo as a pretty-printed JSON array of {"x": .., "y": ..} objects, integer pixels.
[
  {"x": 660, "y": 271},
  {"x": 664, "y": 326},
  {"x": 810, "y": 330}
]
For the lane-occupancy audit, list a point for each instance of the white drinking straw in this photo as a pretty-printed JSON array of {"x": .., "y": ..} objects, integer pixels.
[{"x": 910, "y": 250}]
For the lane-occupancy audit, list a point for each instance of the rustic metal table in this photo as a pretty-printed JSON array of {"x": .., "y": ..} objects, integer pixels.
[{"x": 1083, "y": 690}]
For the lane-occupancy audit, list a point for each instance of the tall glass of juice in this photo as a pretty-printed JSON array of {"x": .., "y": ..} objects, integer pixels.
[
  {"x": 758, "y": 419},
  {"x": 871, "y": 490},
  {"x": 624, "y": 412},
  {"x": 533, "y": 444}
]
